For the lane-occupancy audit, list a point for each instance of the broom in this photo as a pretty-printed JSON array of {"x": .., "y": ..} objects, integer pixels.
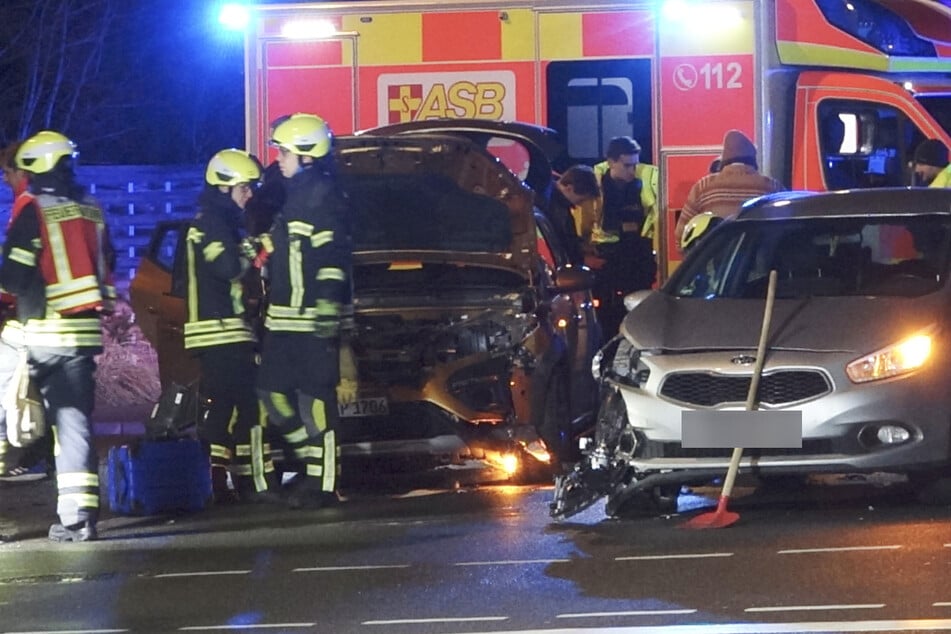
[{"x": 721, "y": 517}]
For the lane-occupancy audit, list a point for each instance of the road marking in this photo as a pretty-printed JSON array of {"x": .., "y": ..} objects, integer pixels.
[
  {"x": 797, "y": 608},
  {"x": 342, "y": 568},
  {"x": 245, "y": 626},
  {"x": 449, "y": 619},
  {"x": 839, "y": 549},
  {"x": 512, "y": 562},
  {"x": 941, "y": 604},
  {"x": 683, "y": 556},
  {"x": 910, "y": 625},
  {"x": 583, "y": 615},
  {"x": 204, "y": 573},
  {"x": 70, "y": 632}
]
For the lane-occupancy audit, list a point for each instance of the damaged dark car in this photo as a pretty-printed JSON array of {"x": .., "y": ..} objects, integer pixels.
[{"x": 473, "y": 338}]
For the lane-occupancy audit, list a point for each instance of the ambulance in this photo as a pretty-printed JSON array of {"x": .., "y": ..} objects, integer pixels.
[{"x": 835, "y": 93}]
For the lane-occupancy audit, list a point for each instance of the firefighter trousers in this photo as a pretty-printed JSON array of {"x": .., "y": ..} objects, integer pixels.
[
  {"x": 68, "y": 386},
  {"x": 233, "y": 427},
  {"x": 297, "y": 386}
]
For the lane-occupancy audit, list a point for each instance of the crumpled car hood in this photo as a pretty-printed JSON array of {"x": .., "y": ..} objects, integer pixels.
[{"x": 848, "y": 324}]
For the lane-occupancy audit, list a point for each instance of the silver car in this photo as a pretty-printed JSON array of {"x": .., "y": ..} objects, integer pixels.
[{"x": 857, "y": 347}]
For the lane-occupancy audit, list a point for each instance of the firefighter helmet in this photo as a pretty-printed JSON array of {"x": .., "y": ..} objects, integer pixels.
[
  {"x": 304, "y": 135},
  {"x": 697, "y": 227},
  {"x": 231, "y": 167},
  {"x": 41, "y": 152}
]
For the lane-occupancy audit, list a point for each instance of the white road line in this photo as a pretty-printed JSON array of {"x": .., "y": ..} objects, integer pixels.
[
  {"x": 839, "y": 549},
  {"x": 941, "y": 604},
  {"x": 910, "y": 625},
  {"x": 683, "y": 556},
  {"x": 799, "y": 608},
  {"x": 70, "y": 632},
  {"x": 201, "y": 573},
  {"x": 512, "y": 562},
  {"x": 585, "y": 615},
  {"x": 449, "y": 619},
  {"x": 247, "y": 626},
  {"x": 342, "y": 568}
]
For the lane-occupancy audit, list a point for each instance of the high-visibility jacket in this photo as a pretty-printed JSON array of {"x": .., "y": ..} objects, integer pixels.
[
  {"x": 21, "y": 199},
  {"x": 309, "y": 270},
  {"x": 214, "y": 297},
  {"x": 649, "y": 176},
  {"x": 943, "y": 179},
  {"x": 57, "y": 261}
]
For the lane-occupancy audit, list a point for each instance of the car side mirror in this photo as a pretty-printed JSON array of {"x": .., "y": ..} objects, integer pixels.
[{"x": 569, "y": 279}]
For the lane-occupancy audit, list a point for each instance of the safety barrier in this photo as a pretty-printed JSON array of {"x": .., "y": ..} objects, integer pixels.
[{"x": 135, "y": 198}]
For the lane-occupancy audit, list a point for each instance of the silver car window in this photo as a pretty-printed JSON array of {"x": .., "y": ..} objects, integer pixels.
[{"x": 830, "y": 256}]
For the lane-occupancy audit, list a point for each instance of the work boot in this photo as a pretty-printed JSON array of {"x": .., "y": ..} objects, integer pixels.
[
  {"x": 248, "y": 493},
  {"x": 81, "y": 532},
  {"x": 223, "y": 494},
  {"x": 309, "y": 496}
]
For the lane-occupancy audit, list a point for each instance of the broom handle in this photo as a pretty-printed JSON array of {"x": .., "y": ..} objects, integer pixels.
[{"x": 754, "y": 382}]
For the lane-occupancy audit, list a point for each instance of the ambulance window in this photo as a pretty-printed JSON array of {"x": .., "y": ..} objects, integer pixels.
[
  {"x": 591, "y": 102},
  {"x": 939, "y": 107},
  {"x": 864, "y": 144}
]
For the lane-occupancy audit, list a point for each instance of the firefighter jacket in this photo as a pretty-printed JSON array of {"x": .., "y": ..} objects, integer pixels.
[
  {"x": 214, "y": 296},
  {"x": 309, "y": 270},
  {"x": 21, "y": 199},
  {"x": 57, "y": 261}
]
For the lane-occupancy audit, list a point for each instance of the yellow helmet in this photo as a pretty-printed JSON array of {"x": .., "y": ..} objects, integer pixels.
[
  {"x": 231, "y": 167},
  {"x": 304, "y": 135},
  {"x": 697, "y": 227},
  {"x": 42, "y": 151}
]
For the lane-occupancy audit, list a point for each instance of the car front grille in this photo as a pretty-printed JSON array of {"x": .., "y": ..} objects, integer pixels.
[{"x": 703, "y": 389}]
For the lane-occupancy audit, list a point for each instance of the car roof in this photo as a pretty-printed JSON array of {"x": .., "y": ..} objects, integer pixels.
[{"x": 852, "y": 202}]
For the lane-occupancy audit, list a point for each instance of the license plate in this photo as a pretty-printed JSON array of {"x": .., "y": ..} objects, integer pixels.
[{"x": 377, "y": 406}]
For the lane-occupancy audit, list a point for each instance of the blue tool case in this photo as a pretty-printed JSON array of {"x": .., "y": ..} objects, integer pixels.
[{"x": 150, "y": 477}]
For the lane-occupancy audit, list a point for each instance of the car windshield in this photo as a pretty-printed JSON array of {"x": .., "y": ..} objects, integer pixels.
[{"x": 831, "y": 257}]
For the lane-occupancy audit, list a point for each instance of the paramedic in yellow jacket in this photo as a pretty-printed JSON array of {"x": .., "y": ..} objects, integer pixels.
[
  {"x": 930, "y": 164},
  {"x": 619, "y": 237}
]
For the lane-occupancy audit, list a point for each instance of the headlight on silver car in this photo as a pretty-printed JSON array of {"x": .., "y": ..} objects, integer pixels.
[
  {"x": 627, "y": 367},
  {"x": 900, "y": 358}
]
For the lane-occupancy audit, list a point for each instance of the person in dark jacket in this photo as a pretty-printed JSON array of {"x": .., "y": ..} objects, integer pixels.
[
  {"x": 575, "y": 186},
  {"x": 309, "y": 286},
  {"x": 218, "y": 333},
  {"x": 57, "y": 262}
]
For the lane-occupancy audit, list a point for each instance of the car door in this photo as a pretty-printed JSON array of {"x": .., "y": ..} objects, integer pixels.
[{"x": 158, "y": 299}]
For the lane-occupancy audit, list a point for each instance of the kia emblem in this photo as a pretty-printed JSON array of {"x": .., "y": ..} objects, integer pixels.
[{"x": 743, "y": 359}]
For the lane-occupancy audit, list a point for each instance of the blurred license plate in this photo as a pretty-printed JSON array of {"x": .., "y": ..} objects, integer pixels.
[{"x": 364, "y": 407}]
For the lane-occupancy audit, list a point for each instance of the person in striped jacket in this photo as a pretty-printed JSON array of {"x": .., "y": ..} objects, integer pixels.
[{"x": 723, "y": 193}]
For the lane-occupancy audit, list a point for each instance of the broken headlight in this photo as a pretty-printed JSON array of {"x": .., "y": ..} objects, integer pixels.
[{"x": 627, "y": 367}]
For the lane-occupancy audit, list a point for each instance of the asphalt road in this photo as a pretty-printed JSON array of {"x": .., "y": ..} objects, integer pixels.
[{"x": 847, "y": 555}]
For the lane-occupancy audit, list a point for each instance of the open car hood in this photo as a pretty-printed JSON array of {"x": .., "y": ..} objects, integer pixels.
[
  {"x": 528, "y": 150},
  {"x": 435, "y": 198}
]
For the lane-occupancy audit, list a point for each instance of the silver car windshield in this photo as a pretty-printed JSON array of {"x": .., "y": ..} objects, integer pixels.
[{"x": 831, "y": 257}]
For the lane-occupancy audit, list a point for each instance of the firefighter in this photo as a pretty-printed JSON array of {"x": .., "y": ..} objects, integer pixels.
[
  {"x": 58, "y": 263},
  {"x": 218, "y": 333},
  {"x": 309, "y": 285},
  {"x": 696, "y": 228}
]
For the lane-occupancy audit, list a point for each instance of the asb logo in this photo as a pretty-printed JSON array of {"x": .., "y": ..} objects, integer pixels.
[{"x": 421, "y": 96}]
